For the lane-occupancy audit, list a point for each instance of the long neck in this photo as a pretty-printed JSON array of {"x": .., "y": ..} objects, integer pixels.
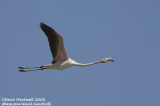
[{"x": 88, "y": 64}]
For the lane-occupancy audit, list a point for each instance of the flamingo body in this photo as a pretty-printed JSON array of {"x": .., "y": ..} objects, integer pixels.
[{"x": 61, "y": 60}]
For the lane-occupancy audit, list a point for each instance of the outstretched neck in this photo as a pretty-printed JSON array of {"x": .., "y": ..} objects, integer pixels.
[{"x": 88, "y": 64}]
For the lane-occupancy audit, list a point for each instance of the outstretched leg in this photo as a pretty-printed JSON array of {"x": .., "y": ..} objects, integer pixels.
[
  {"x": 23, "y": 70},
  {"x": 30, "y": 67},
  {"x": 26, "y": 69}
]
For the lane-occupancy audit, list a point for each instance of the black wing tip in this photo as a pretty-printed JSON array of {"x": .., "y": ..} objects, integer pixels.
[
  {"x": 42, "y": 24},
  {"x": 44, "y": 27}
]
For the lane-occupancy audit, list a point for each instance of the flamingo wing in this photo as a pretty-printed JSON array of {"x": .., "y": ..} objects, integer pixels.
[{"x": 56, "y": 43}]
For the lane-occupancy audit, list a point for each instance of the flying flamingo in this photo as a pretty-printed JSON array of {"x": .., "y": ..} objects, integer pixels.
[{"x": 60, "y": 59}]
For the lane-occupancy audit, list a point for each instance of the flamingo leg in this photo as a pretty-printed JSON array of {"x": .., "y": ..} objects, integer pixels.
[
  {"x": 23, "y": 70},
  {"x": 29, "y": 67}
]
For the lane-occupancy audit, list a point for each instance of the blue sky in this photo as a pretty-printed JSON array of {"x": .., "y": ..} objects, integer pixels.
[{"x": 126, "y": 30}]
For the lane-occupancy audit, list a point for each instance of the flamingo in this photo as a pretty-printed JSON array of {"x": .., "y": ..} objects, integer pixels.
[{"x": 60, "y": 59}]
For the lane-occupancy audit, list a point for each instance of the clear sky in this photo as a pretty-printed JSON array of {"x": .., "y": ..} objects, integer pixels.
[{"x": 126, "y": 30}]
